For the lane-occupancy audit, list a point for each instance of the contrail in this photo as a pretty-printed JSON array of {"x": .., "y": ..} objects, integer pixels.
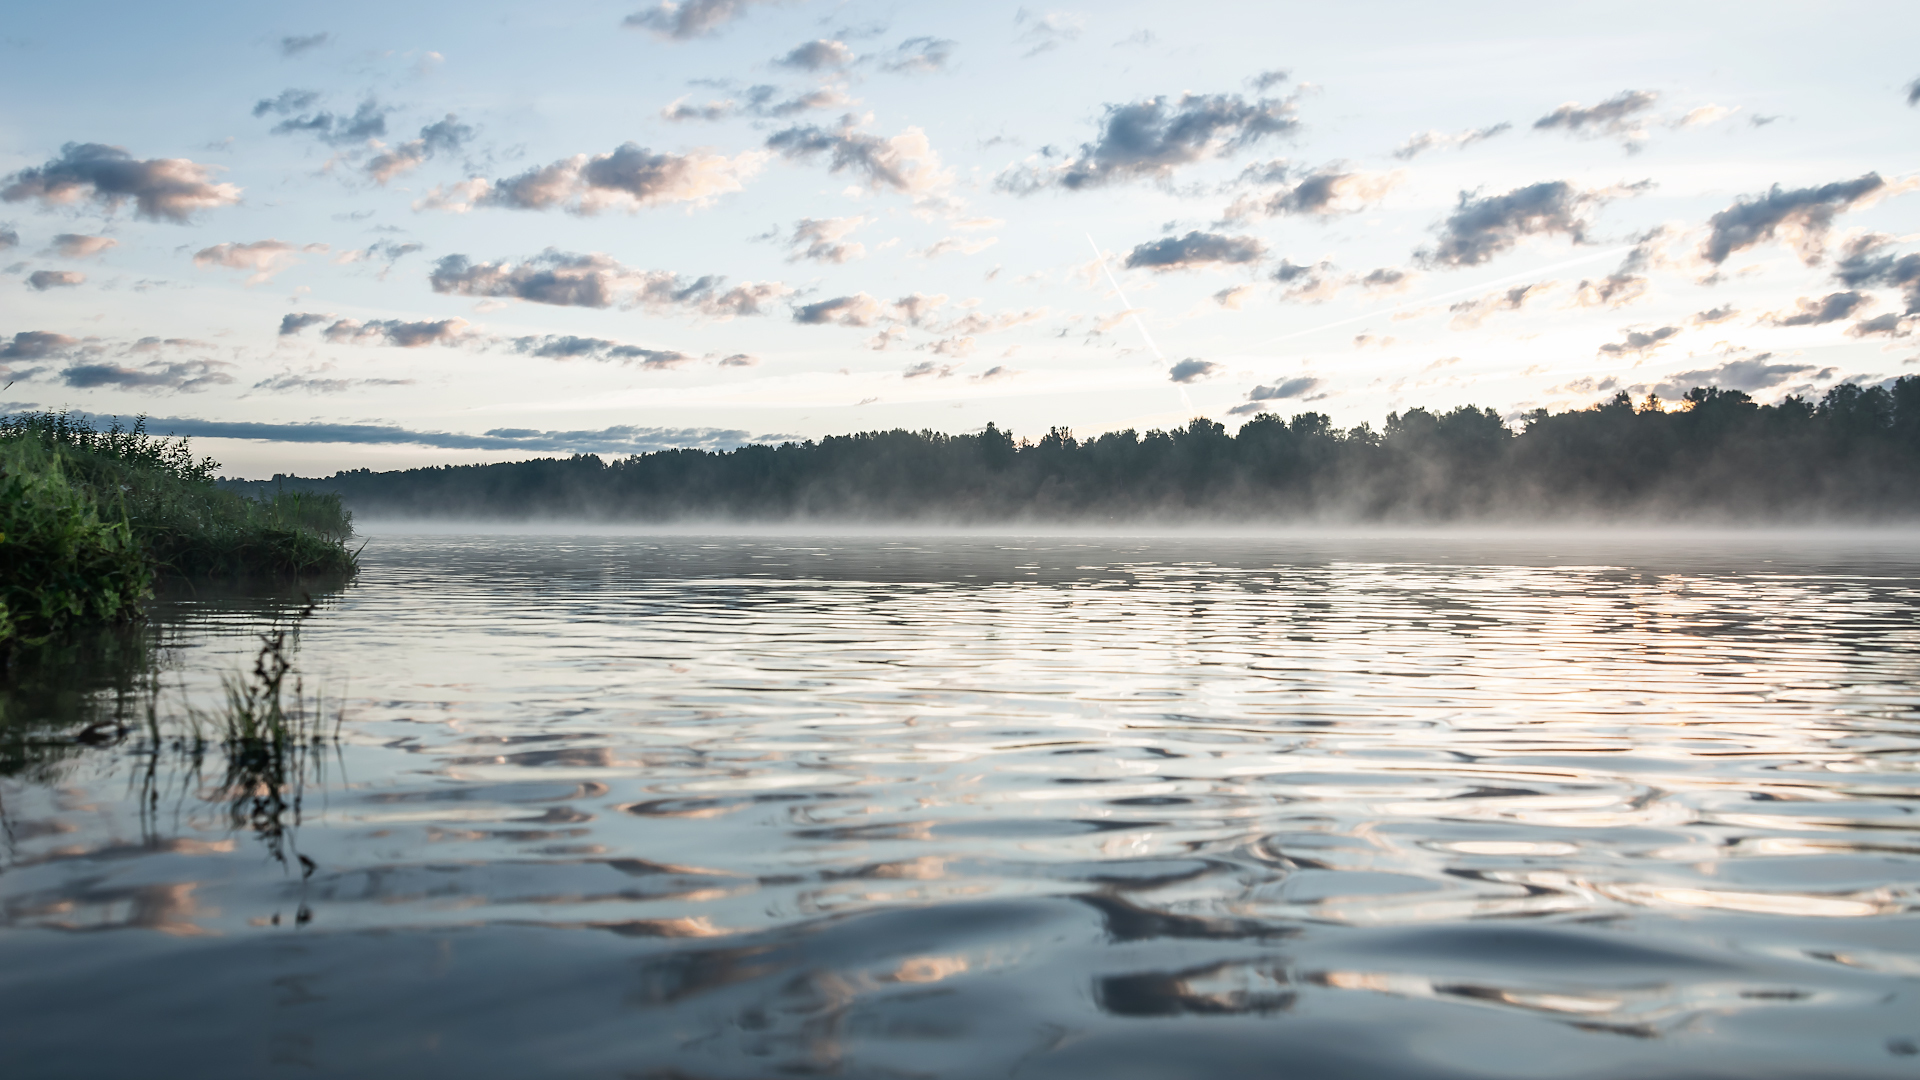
[
  {"x": 1609, "y": 253},
  {"x": 1185, "y": 401}
]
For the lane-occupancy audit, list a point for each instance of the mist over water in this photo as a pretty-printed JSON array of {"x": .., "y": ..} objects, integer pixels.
[{"x": 676, "y": 805}]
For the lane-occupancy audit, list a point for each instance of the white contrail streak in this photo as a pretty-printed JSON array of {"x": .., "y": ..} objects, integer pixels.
[
  {"x": 1185, "y": 401},
  {"x": 1609, "y": 253}
]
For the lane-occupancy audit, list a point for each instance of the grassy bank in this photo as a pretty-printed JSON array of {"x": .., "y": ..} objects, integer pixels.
[{"x": 90, "y": 518}]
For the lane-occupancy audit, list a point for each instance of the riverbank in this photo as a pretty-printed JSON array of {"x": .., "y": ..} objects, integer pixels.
[{"x": 91, "y": 518}]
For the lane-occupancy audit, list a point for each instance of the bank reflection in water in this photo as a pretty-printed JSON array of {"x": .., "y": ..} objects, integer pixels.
[{"x": 708, "y": 807}]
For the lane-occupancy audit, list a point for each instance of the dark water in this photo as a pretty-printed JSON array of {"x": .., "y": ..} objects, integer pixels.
[{"x": 952, "y": 807}]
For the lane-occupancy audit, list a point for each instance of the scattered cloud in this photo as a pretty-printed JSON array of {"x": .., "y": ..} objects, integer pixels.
[
  {"x": 1618, "y": 116},
  {"x": 1233, "y": 296},
  {"x": 1267, "y": 80},
  {"x": 928, "y": 367},
  {"x": 289, "y": 101},
  {"x": 1326, "y": 192},
  {"x": 1482, "y": 227},
  {"x": 824, "y": 240},
  {"x": 1913, "y": 93},
  {"x": 1861, "y": 264},
  {"x": 1639, "y": 342},
  {"x": 1801, "y": 216},
  {"x": 1830, "y": 308},
  {"x": 857, "y": 310},
  {"x": 42, "y": 280},
  {"x": 9, "y": 237},
  {"x": 820, "y": 54},
  {"x": 628, "y": 178},
  {"x": 1309, "y": 283},
  {"x": 1193, "y": 370},
  {"x": 1044, "y": 33},
  {"x": 995, "y": 373},
  {"x": 36, "y": 345},
  {"x": 442, "y": 136},
  {"x": 295, "y": 44},
  {"x": 369, "y": 121},
  {"x": 905, "y": 162},
  {"x": 162, "y": 189},
  {"x": 739, "y": 360},
  {"x": 395, "y": 332},
  {"x": 1148, "y": 140},
  {"x": 1435, "y": 140},
  {"x": 762, "y": 101},
  {"x": 1470, "y": 314},
  {"x": 1194, "y": 250},
  {"x": 316, "y": 381},
  {"x": 1714, "y": 315},
  {"x": 181, "y": 376},
  {"x": 1387, "y": 279},
  {"x": 597, "y": 281},
  {"x": 620, "y": 439},
  {"x": 950, "y": 245},
  {"x": 1704, "y": 115},
  {"x": 264, "y": 258},
  {"x": 1288, "y": 389},
  {"x": 77, "y": 246},
  {"x": 1892, "y": 324},
  {"x": 1749, "y": 374},
  {"x": 688, "y": 19},
  {"x": 918, "y": 56},
  {"x": 570, "y": 347}
]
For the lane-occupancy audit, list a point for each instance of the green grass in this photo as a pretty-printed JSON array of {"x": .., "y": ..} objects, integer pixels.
[{"x": 89, "y": 518}]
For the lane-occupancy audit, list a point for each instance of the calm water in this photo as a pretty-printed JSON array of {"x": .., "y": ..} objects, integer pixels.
[{"x": 682, "y": 807}]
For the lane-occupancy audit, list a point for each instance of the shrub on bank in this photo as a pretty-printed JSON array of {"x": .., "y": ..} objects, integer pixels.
[{"x": 91, "y": 516}]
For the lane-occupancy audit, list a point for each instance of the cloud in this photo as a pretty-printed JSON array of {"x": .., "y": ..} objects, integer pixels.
[
  {"x": 264, "y": 257},
  {"x": 906, "y": 162},
  {"x": 627, "y": 178},
  {"x": 162, "y": 189},
  {"x": 1193, "y": 250},
  {"x": 1617, "y": 116},
  {"x": 1892, "y": 324},
  {"x": 1148, "y": 140},
  {"x": 620, "y": 439},
  {"x": 447, "y": 135},
  {"x": 76, "y": 246},
  {"x": 740, "y": 360},
  {"x": 1267, "y": 80},
  {"x": 948, "y": 245},
  {"x": 1802, "y": 216},
  {"x": 9, "y": 238},
  {"x": 1860, "y": 265},
  {"x": 1831, "y": 308},
  {"x": 1469, "y": 314},
  {"x": 1704, "y": 115},
  {"x": 761, "y": 101},
  {"x": 1309, "y": 283},
  {"x": 1044, "y": 33},
  {"x": 928, "y": 367},
  {"x": 1193, "y": 370},
  {"x": 395, "y": 332},
  {"x": 289, "y": 102},
  {"x": 597, "y": 281},
  {"x": 295, "y": 44},
  {"x": 1233, "y": 296},
  {"x": 569, "y": 347},
  {"x": 1714, "y": 315},
  {"x": 824, "y": 240},
  {"x": 369, "y": 121},
  {"x": 1913, "y": 93},
  {"x": 184, "y": 376},
  {"x": 688, "y": 19},
  {"x": 36, "y": 345},
  {"x": 1482, "y": 227},
  {"x": 1614, "y": 290},
  {"x": 1298, "y": 387},
  {"x": 820, "y": 54},
  {"x": 1433, "y": 140},
  {"x": 1749, "y": 374},
  {"x": 296, "y": 322},
  {"x": 857, "y": 310},
  {"x": 385, "y": 250},
  {"x": 918, "y": 56},
  {"x": 1325, "y": 192},
  {"x": 42, "y": 280},
  {"x": 1386, "y": 279},
  {"x": 312, "y": 382},
  {"x": 1639, "y": 342},
  {"x": 995, "y": 373}
]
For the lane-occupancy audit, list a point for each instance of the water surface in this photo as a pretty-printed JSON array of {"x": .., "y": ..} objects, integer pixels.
[{"x": 684, "y": 806}]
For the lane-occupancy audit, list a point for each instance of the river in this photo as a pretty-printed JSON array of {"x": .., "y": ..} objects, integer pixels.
[{"x": 684, "y": 806}]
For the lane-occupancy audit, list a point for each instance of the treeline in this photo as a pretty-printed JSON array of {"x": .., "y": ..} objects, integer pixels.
[
  {"x": 90, "y": 518},
  {"x": 1716, "y": 455}
]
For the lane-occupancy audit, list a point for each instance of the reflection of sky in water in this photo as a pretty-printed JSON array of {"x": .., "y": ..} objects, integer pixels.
[{"x": 1066, "y": 806}]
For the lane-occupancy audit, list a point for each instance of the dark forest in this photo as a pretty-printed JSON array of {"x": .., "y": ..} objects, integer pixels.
[{"x": 1715, "y": 455}]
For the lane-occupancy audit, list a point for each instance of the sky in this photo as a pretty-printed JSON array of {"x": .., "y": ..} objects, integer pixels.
[{"x": 358, "y": 236}]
